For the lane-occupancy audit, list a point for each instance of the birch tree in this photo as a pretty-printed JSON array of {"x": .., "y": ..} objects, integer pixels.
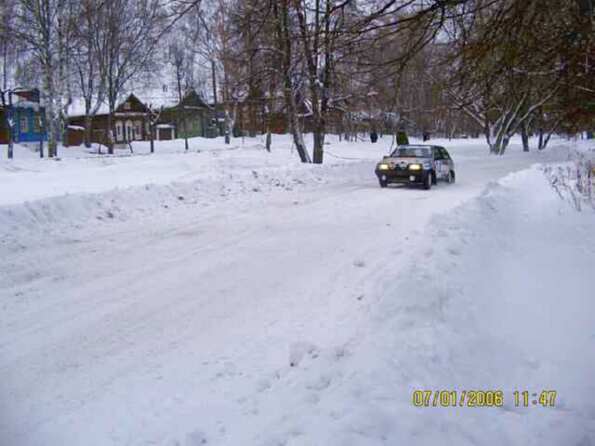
[
  {"x": 45, "y": 26},
  {"x": 285, "y": 38}
]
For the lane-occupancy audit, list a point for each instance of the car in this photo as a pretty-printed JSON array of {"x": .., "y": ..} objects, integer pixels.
[{"x": 412, "y": 164}]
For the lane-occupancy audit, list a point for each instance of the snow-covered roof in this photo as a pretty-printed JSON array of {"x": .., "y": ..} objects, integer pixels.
[
  {"x": 77, "y": 107},
  {"x": 23, "y": 103},
  {"x": 156, "y": 98}
]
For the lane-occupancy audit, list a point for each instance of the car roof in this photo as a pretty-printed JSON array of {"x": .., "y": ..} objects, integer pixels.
[
  {"x": 430, "y": 150},
  {"x": 419, "y": 146}
]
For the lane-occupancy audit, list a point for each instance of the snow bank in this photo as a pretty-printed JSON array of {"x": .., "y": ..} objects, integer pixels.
[
  {"x": 78, "y": 171},
  {"x": 132, "y": 201}
]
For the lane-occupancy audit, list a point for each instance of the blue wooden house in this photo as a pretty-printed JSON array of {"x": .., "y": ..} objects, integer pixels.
[{"x": 28, "y": 117}]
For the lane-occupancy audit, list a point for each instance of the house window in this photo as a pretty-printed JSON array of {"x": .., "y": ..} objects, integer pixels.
[
  {"x": 129, "y": 129},
  {"x": 126, "y": 105},
  {"x": 119, "y": 135},
  {"x": 24, "y": 124},
  {"x": 37, "y": 123},
  {"x": 138, "y": 130}
]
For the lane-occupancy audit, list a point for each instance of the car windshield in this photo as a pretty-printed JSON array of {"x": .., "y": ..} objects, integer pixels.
[{"x": 411, "y": 152}]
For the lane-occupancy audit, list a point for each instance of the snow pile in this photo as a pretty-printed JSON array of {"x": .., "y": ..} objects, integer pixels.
[
  {"x": 73, "y": 211},
  {"x": 81, "y": 189}
]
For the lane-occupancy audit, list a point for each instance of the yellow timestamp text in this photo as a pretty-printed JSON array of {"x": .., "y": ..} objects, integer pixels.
[{"x": 482, "y": 398}]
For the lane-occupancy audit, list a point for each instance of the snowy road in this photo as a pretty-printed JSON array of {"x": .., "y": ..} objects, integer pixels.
[{"x": 176, "y": 324}]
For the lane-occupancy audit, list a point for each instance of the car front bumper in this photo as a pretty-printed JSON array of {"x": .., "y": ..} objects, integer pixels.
[{"x": 402, "y": 176}]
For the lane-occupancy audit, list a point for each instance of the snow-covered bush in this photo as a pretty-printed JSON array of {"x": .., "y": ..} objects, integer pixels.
[{"x": 573, "y": 182}]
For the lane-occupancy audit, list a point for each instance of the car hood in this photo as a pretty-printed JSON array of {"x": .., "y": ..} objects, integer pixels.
[{"x": 404, "y": 160}]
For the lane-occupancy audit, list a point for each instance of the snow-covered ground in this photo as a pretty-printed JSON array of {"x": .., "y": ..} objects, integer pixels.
[{"x": 237, "y": 297}]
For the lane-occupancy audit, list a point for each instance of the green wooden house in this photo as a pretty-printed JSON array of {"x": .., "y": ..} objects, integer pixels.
[{"x": 189, "y": 118}]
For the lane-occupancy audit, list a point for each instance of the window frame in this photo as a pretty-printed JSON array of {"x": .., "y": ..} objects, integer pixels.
[
  {"x": 137, "y": 130},
  {"x": 445, "y": 154},
  {"x": 23, "y": 119},
  {"x": 119, "y": 130}
]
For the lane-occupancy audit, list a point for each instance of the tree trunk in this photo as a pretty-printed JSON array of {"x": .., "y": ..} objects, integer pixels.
[
  {"x": 88, "y": 130},
  {"x": 8, "y": 122},
  {"x": 268, "y": 113},
  {"x": 504, "y": 144},
  {"x": 318, "y": 151},
  {"x": 152, "y": 133},
  {"x": 185, "y": 137},
  {"x": 540, "y": 145},
  {"x": 229, "y": 124},
  {"x": 214, "y": 82},
  {"x": 496, "y": 139},
  {"x": 525, "y": 137},
  {"x": 50, "y": 110},
  {"x": 296, "y": 132},
  {"x": 5, "y": 66},
  {"x": 110, "y": 133},
  {"x": 544, "y": 142},
  {"x": 252, "y": 118},
  {"x": 547, "y": 140}
]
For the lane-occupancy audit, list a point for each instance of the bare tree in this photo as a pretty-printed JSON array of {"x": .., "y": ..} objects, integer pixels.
[
  {"x": 318, "y": 36},
  {"x": 127, "y": 32},
  {"x": 181, "y": 62},
  {"x": 90, "y": 83},
  {"x": 8, "y": 44},
  {"x": 512, "y": 60},
  {"x": 286, "y": 46}
]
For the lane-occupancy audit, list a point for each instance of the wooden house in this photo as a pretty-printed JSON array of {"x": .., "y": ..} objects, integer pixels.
[
  {"x": 28, "y": 117},
  {"x": 255, "y": 115},
  {"x": 131, "y": 122},
  {"x": 190, "y": 117}
]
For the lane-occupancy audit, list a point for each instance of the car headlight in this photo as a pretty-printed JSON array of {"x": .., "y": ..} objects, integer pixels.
[
  {"x": 383, "y": 166},
  {"x": 414, "y": 166}
]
